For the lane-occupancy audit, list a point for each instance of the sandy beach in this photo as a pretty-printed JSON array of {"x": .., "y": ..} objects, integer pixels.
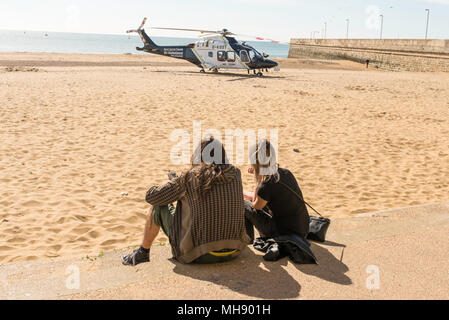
[{"x": 84, "y": 136}]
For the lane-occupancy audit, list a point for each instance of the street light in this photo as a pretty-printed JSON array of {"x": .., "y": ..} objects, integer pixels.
[
  {"x": 325, "y": 30},
  {"x": 381, "y": 24},
  {"x": 427, "y": 23},
  {"x": 347, "y": 28}
]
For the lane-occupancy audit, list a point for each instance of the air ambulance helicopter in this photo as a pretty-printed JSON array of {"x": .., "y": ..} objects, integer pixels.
[{"x": 216, "y": 50}]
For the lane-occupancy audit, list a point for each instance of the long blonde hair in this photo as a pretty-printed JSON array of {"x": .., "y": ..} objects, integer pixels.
[{"x": 263, "y": 160}]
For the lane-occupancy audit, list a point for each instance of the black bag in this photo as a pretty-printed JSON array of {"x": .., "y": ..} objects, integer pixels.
[
  {"x": 317, "y": 228},
  {"x": 318, "y": 225}
]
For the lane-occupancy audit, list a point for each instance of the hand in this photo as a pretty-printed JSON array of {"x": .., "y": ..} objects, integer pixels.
[
  {"x": 248, "y": 195},
  {"x": 172, "y": 175},
  {"x": 247, "y": 198},
  {"x": 251, "y": 170}
]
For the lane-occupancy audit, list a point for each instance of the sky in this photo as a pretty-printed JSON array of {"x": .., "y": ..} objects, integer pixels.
[{"x": 276, "y": 19}]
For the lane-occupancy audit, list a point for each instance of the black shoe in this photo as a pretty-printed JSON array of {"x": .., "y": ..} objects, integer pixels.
[{"x": 138, "y": 256}]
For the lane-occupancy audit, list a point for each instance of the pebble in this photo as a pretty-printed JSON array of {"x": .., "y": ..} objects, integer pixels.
[
  {"x": 124, "y": 193},
  {"x": 296, "y": 150}
]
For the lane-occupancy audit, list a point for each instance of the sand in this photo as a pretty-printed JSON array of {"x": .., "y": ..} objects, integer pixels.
[{"x": 84, "y": 136}]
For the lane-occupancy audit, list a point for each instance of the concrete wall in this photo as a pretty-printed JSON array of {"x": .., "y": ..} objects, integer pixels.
[{"x": 389, "y": 54}]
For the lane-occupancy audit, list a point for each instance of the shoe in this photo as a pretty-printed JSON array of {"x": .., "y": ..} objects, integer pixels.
[{"x": 136, "y": 257}]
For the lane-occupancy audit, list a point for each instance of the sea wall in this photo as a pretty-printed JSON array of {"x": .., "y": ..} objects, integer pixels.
[{"x": 388, "y": 54}]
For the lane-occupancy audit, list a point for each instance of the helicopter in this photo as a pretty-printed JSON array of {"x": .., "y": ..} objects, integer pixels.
[{"x": 216, "y": 50}]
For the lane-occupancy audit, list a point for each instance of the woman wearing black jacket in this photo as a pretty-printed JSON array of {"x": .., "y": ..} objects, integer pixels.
[{"x": 274, "y": 208}]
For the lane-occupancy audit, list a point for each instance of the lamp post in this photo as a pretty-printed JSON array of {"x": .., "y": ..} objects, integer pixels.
[
  {"x": 427, "y": 23},
  {"x": 347, "y": 28},
  {"x": 325, "y": 30},
  {"x": 381, "y": 25}
]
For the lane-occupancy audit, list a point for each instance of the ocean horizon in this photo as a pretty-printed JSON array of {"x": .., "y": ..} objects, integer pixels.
[{"x": 90, "y": 43}]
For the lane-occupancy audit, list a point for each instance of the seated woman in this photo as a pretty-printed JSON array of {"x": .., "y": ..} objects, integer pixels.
[
  {"x": 208, "y": 223},
  {"x": 274, "y": 209}
]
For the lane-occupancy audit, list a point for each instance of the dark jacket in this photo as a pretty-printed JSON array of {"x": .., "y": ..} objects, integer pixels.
[{"x": 291, "y": 245}]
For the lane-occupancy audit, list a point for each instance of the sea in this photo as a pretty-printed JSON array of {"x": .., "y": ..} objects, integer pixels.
[{"x": 63, "y": 42}]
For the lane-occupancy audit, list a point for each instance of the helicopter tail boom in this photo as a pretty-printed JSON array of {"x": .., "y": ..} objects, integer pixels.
[
  {"x": 180, "y": 52},
  {"x": 149, "y": 44}
]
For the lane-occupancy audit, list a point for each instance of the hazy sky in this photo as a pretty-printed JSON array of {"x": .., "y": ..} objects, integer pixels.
[{"x": 278, "y": 19}]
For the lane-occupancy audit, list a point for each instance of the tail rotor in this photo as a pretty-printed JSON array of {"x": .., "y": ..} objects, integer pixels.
[{"x": 140, "y": 28}]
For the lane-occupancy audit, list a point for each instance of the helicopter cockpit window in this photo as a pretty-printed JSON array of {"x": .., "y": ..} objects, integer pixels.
[
  {"x": 221, "y": 55},
  {"x": 231, "y": 56},
  {"x": 211, "y": 54},
  {"x": 252, "y": 55},
  {"x": 244, "y": 56}
]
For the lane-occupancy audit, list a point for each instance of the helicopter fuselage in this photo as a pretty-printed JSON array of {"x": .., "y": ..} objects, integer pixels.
[{"x": 213, "y": 53}]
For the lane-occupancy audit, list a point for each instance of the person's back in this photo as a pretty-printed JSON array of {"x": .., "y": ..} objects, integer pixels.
[
  {"x": 289, "y": 212},
  {"x": 207, "y": 222}
]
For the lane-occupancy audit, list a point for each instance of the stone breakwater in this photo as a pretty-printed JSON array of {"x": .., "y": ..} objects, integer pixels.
[{"x": 388, "y": 54}]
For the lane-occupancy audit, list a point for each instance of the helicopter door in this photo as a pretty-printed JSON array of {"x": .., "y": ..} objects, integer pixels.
[
  {"x": 244, "y": 56},
  {"x": 208, "y": 58}
]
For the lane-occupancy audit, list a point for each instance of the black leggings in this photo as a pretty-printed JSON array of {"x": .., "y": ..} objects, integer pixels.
[{"x": 260, "y": 219}]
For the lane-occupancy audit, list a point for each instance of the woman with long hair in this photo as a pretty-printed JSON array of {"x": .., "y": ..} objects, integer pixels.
[
  {"x": 208, "y": 223},
  {"x": 274, "y": 208}
]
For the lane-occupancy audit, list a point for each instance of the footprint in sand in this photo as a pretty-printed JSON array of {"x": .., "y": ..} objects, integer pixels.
[
  {"x": 119, "y": 229},
  {"x": 80, "y": 230},
  {"x": 31, "y": 203},
  {"x": 16, "y": 240},
  {"x": 109, "y": 242},
  {"x": 93, "y": 234}
]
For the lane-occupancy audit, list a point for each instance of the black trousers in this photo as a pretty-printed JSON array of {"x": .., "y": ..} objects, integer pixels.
[{"x": 261, "y": 220}]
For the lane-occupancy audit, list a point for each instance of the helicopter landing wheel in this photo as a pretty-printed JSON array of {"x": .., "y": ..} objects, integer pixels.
[
  {"x": 259, "y": 74},
  {"x": 215, "y": 70},
  {"x": 202, "y": 71}
]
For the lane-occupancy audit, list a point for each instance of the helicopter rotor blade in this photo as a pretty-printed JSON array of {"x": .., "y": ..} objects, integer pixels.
[
  {"x": 207, "y": 35},
  {"x": 131, "y": 31},
  {"x": 224, "y": 32},
  {"x": 142, "y": 24},
  {"x": 180, "y": 29}
]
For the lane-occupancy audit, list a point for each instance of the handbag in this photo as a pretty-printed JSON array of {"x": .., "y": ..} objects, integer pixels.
[{"x": 318, "y": 225}]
